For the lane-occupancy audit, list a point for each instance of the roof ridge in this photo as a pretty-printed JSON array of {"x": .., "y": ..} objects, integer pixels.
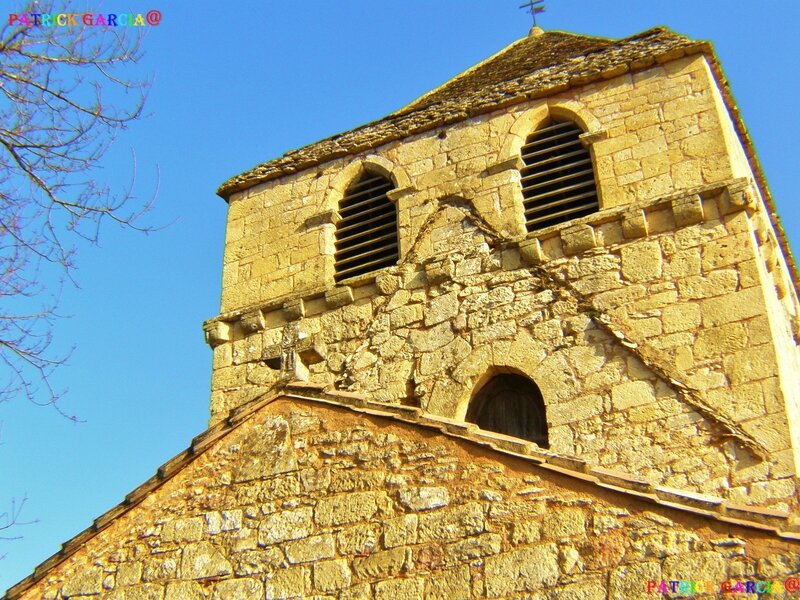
[{"x": 530, "y": 81}]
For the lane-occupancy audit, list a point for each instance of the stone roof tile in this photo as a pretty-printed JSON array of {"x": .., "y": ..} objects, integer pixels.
[{"x": 528, "y": 68}]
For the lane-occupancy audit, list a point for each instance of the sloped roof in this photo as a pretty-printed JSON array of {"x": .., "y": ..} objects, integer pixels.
[
  {"x": 529, "y": 68},
  {"x": 777, "y": 525}
]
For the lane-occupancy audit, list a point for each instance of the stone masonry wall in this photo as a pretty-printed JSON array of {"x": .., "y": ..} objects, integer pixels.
[
  {"x": 654, "y": 132},
  {"x": 661, "y": 331},
  {"x": 307, "y": 501}
]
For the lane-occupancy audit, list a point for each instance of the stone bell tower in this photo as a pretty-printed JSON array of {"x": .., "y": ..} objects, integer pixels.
[{"x": 570, "y": 243}]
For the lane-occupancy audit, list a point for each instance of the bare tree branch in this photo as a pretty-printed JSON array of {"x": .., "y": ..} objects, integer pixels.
[{"x": 64, "y": 97}]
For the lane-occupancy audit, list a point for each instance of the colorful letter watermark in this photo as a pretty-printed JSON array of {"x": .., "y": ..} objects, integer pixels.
[
  {"x": 732, "y": 586},
  {"x": 152, "y": 18}
]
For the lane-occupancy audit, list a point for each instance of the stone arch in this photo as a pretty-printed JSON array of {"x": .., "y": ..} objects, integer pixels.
[
  {"x": 374, "y": 163},
  {"x": 509, "y": 403},
  {"x": 530, "y": 120}
]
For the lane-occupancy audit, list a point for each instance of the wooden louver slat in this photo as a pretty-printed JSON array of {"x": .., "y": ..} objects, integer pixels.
[
  {"x": 366, "y": 234},
  {"x": 557, "y": 180}
]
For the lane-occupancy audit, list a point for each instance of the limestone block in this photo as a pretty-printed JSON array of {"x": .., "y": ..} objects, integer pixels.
[
  {"x": 358, "y": 539},
  {"x": 526, "y": 532},
  {"x": 294, "y": 309},
  {"x": 400, "y": 589},
  {"x": 238, "y": 589},
  {"x": 727, "y": 251},
  {"x": 733, "y": 200},
  {"x": 183, "y": 530},
  {"x": 471, "y": 548},
  {"x": 431, "y": 339},
  {"x": 400, "y": 531},
  {"x": 287, "y": 583},
  {"x": 387, "y": 283},
  {"x": 716, "y": 283},
  {"x": 310, "y": 549},
  {"x": 347, "y": 508},
  {"x": 217, "y": 332},
  {"x": 716, "y": 342},
  {"x": 129, "y": 573},
  {"x": 201, "y": 560},
  {"x": 380, "y": 564},
  {"x": 700, "y": 566},
  {"x": 524, "y": 570},
  {"x": 271, "y": 451},
  {"x": 530, "y": 252},
  {"x": 751, "y": 364},
  {"x": 87, "y": 582},
  {"x": 252, "y": 322},
  {"x": 630, "y": 581},
  {"x": 632, "y": 393},
  {"x": 405, "y": 315},
  {"x": 285, "y": 525},
  {"x": 441, "y": 308},
  {"x": 184, "y": 590},
  {"x": 641, "y": 261},
  {"x": 444, "y": 358},
  {"x": 578, "y": 410},
  {"x": 252, "y": 561},
  {"x": 424, "y": 498},
  {"x": 452, "y": 523},
  {"x": 578, "y": 238},
  {"x": 687, "y": 210},
  {"x": 331, "y": 576},
  {"x": 564, "y": 523},
  {"x": 147, "y": 591},
  {"x": 449, "y": 584},
  {"x": 681, "y": 317},
  {"x": 339, "y": 296},
  {"x": 736, "y": 306}
]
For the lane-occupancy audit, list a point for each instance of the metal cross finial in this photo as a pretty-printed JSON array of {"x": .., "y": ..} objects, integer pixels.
[{"x": 536, "y": 7}]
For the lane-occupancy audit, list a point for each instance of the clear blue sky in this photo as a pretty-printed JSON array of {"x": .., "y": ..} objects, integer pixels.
[{"x": 240, "y": 83}]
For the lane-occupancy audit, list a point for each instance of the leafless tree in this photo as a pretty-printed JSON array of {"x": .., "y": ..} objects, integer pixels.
[
  {"x": 11, "y": 519},
  {"x": 64, "y": 97}
]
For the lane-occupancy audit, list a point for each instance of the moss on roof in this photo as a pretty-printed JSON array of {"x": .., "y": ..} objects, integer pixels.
[{"x": 532, "y": 67}]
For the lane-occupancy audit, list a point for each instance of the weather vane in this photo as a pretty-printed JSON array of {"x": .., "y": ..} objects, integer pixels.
[{"x": 536, "y": 7}]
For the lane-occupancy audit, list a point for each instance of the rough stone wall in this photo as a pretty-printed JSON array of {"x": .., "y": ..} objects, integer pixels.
[
  {"x": 661, "y": 330},
  {"x": 312, "y": 501},
  {"x": 657, "y": 131}
]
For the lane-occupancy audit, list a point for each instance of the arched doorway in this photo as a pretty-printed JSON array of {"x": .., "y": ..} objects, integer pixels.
[{"x": 513, "y": 405}]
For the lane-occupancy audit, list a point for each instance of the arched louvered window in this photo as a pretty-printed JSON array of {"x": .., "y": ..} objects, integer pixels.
[
  {"x": 558, "y": 178},
  {"x": 513, "y": 405},
  {"x": 366, "y": 234}
]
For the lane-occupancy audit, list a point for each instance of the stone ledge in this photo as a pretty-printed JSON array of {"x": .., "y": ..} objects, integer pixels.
[{"x": 579, "y": 235}]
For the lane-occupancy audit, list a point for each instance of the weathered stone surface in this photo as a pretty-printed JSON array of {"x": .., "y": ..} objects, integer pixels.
[
  {"x": 400, "y": 589},
  {"x": 287, "y": 583},
  {"x": 381, "y": 564},
  {"x": 285, "y": 525},
  {"x": 332, "y": 576},
  {"x": 524, "y": 570},
  {"x": 310, "y": 549},
  {"x": 400, "y": 531},
  {"x": 346, "y": 508},
  {"x": 425, "y": 498},
  {"x": 202, "y": 560},
  {"x": 87, "y": 583},
  {"x": 641, "y": 261},
  {"x": 451, "y": 524},
  {"x": 274, "y": 452},
  {"x": 184, "y": 590},
  {"x": 238, "y": 589}
]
